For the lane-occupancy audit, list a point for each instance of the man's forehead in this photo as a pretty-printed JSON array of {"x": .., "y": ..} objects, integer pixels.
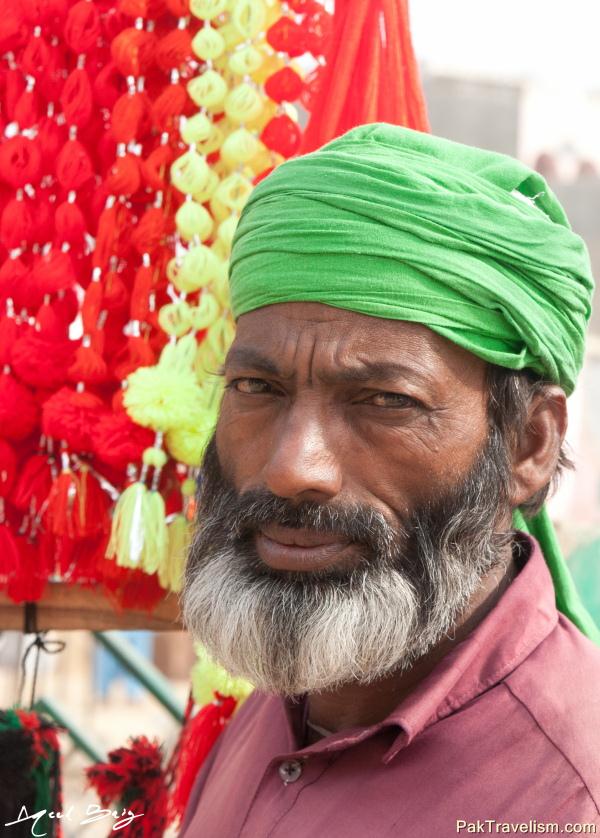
[{"x": 280, "y": 336}]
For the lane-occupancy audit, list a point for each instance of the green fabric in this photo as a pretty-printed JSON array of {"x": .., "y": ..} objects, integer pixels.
[
  {"x": 403, "y": 225},
  {"x": 399, "y": 224},
  {"x": 568, "y": 600}
]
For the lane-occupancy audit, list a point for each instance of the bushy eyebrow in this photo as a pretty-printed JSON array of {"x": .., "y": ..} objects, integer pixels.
[{"x": 362, "y": 372}]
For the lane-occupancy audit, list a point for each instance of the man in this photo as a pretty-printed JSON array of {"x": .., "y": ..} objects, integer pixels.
[{"x": 411, "y": 317}]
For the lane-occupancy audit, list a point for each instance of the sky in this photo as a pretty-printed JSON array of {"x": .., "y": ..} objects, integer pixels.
[
  {"x": 550, "y": 47},
  {"x": 542, "y": 40}
]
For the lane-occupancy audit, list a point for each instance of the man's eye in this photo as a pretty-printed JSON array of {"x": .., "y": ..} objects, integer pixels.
[
  {"x": 250, "y": 386},
  {"x": 391, "y": 400}
]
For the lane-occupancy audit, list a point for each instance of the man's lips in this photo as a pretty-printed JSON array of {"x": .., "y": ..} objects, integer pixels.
[{"x": 284, "y": 548}]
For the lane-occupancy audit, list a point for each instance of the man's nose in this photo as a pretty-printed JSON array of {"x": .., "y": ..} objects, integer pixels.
[{"x": 301, "y": 463}]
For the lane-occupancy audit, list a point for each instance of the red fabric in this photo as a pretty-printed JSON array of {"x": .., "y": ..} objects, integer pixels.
[{"x": 371, "y": 73}]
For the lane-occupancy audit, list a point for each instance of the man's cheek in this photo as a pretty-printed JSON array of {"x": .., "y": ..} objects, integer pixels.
[{"x": 243, "y": 445}]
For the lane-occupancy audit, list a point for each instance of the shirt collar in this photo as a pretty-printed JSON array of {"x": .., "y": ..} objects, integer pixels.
[{"x": 525, "y": 614}]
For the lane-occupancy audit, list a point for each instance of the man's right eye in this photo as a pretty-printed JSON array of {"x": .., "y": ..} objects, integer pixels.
[{"x": 250, "y": 386}]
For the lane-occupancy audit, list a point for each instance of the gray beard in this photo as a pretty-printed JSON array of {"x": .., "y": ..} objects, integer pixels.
[{"x": 295, "y": 633}]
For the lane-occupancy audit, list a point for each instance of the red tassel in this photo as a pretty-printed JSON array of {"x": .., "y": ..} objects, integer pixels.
[
  {"x": 285, "y": 35},
  {"x": 82, "y": 27},
  {"x": 156, "y": 166},
  {"x": 71, "y": 416},
  {"x": 54, "y": 271},
  {"x": 360, "y": 62},
  {"x": 133, "y": 51},
  {"x": 118, "y": 441},
  {"x": 20, "y": 161},
  {"x": 284, "y": 86},
  {"x": 124, "y": 177},
  {"x": 174, "y": 50},
  {"x": 282, "y": 134},
  {"x": 51, "y": 325},
  {"x": 8, "y": 469},
  {"x": 29, "y": 580},
  {"x": 33, "y": 484},
  {"x": 9, "y": 553},
  {"x": 130, "y": 116},
  {"x": 13, "y": 275},
  {"x": 88, "y": 366},
  {"x": 70, "y": 224},
  {"x": 76, "y": 99},
  {"x": 133, "y": 779},
  {"x": 116, "y": 294},
  {"x": 108, "y": 85},
  {"x": 150, "y": 231},
  {"x": 139, "y": 353},
  {"x": 77, "y": 506},
  {"x": 51, "y": 138},
  {"x": 73, "y": 166},
  {"x": 40, "y": 362},
  {"x": 197, "y": 738},
  {"x": 140, "y": 296},
  {"x": 28, "y": 109},
  {"x": 16, "y": 224},
  {"x": 92, "y": 306},
  {"x": 169, "y": 106},
  {"x": 19, "y": 411},
  {"x": 63, "y": 507},
  {"x": 8, "y": 335}
]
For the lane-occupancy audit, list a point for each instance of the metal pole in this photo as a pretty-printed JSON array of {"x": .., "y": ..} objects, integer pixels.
[
  {"x": 143, "y": 670},
  {"x": 81, "y": 739}
]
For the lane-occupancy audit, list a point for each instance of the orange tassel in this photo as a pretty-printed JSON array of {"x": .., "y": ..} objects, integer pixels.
[
  {"x": 130, "y": 116},
  {"x": 124, "y": 177},
  {"x": 133, "y": 51}
]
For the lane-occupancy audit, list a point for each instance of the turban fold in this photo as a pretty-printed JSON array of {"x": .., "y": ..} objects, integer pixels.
[
  {"x": 395, "y": 223},
  {"x": 399, "y": 224}
]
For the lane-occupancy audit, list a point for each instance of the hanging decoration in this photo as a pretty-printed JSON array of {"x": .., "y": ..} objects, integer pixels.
[
  {"x": 132, "y": 134},
  {"x": 30, "y": 771},
  {"x": 132, "y": 783}
]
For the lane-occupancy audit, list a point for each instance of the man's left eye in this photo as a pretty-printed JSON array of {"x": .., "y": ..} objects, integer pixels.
[{"x": 391, "y": 400}]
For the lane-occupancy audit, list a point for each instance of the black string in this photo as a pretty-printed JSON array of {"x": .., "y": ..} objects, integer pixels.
[{"x": 40, "y": 643}]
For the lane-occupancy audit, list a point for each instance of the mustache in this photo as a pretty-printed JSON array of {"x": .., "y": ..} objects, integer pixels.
[{"x": 354, "y": 522}]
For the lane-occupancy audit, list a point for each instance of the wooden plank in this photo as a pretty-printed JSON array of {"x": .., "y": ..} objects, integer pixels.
[{"x": 70, "y": 607}]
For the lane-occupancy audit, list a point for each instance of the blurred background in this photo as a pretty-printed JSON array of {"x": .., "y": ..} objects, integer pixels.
[{"x": 518, "y": 77}]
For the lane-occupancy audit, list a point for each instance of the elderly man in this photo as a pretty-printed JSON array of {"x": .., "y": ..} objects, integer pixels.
[{"x": 411, "y": 317}]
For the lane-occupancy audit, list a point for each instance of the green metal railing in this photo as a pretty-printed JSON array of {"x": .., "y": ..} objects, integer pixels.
[
  {"x": 148, "y": 675},
  {"x": 142, "y": 670},
  {"x": 80, "y": 739}
]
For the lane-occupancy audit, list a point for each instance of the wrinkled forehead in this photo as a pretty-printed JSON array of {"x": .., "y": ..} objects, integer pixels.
[{"x": 307, "y": 338}]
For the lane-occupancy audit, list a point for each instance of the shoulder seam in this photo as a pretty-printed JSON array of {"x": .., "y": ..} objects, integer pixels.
[{"x": 553, "y": 743}]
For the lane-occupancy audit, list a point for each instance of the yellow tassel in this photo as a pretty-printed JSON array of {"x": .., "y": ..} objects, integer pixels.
[
  {"x": 155, "y": 530},
  {"x": 207, "y": 676},
  {"x": 170, "y": 575},
  {"x": 126, "y": 543}
]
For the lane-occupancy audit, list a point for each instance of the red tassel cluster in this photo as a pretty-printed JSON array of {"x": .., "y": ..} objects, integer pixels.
[
  {"x": 134, "y": 780},
  {"x": 369, "y": 74},
  {"x": 92, "y": 93},
  {"x": 132, "y": 784},
  {"x": 88, "y": 99},
  {"x": 199, "y": 733}
]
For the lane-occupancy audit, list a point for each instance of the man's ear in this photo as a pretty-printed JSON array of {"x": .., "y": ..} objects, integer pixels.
[{"x": 537, "y": 449}]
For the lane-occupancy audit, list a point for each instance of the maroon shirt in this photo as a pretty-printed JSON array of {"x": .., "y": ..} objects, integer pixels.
[{"x": 506, "y": 727}]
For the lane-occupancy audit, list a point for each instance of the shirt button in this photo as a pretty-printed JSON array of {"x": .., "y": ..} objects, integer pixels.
[{"x": 290, "y": 771}]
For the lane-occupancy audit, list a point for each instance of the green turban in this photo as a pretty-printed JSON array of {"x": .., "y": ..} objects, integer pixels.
[{"x": 399, "y": 224}]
